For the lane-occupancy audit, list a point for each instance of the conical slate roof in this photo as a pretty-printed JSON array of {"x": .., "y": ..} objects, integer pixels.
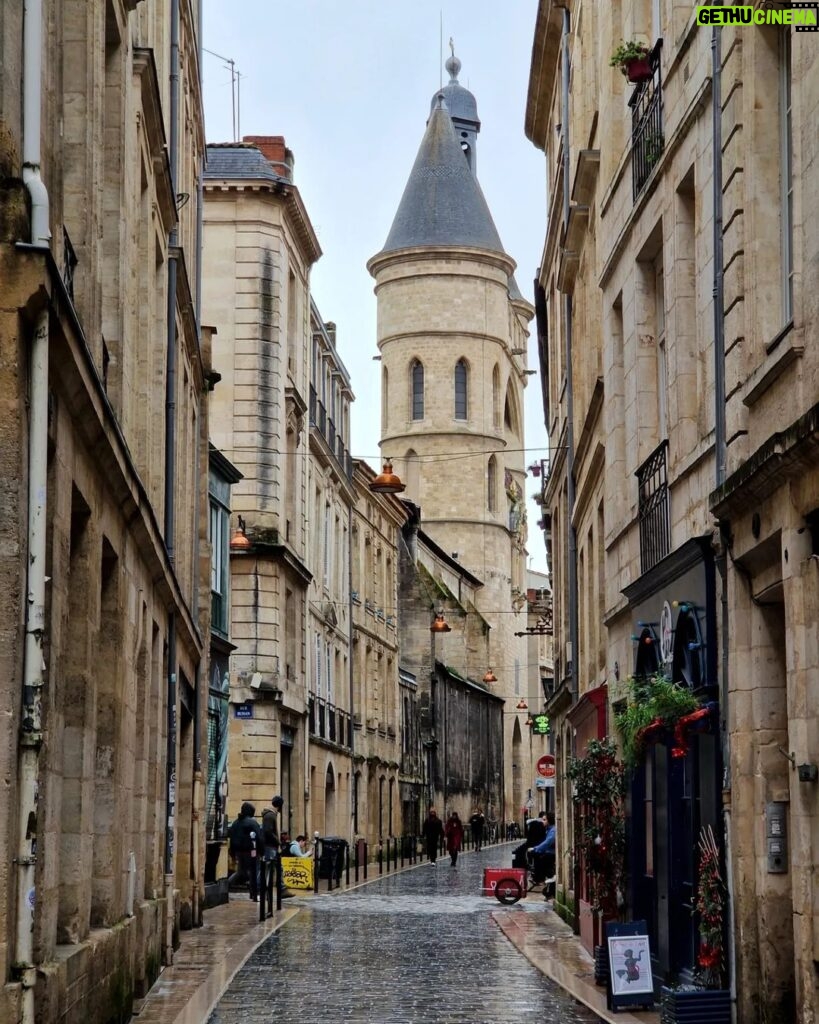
[{"x": 442, "y": 203}]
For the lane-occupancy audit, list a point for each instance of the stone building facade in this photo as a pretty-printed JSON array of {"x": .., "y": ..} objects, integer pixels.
[
  {"x": 331, "y": 495},
  {"x": 676, "y": 280},
  {"x": 452, "y": 330},
  {"x": 103, "y": 475},
  {"x": 376, "y": 803},
  {"x": 259, "y": 246}
]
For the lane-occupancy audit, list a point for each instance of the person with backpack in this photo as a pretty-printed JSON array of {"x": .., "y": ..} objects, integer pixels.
[{"x": 244, "y": 844}]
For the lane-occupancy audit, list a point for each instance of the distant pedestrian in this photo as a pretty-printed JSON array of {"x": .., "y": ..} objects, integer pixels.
[
  {"x": 245, "y": 841},
  {"x": 454, "y": 832},
  {"x": 477, "y": 824},
  {"x": 432, "y": 833}
]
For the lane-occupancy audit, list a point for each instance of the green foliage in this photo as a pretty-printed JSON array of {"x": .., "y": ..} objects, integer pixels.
[
  {"x": 653, "y": 148},
  {"x": 627, "y": 52},
  {"x": 652, "y": 700},
  {"x": 600, "y": 832}
]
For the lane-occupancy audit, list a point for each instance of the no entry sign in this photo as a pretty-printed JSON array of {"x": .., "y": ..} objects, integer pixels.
[{"x": 546, "y": 766}]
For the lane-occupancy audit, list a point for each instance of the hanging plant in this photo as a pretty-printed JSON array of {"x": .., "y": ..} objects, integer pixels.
[
  {"x": 632, "y": 59},
  {"x": 655, "y": 705},
  {"x": 598, "y": 793},
  {"x": 710, "y": 908}
]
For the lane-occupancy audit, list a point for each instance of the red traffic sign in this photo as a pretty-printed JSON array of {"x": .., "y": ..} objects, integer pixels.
[{"x": 546, "y": 766}]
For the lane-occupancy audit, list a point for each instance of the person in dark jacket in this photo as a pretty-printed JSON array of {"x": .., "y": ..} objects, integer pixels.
[
  {"x": 245, "y": 841},
  {"x": 477, "y": 823},
  {"x": 433, "y": 833},
  {"x": 536, "y": 830},
  {"x": 454, "y": 832}
]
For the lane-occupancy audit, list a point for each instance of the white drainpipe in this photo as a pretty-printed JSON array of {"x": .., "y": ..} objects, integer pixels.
[{"x": 30, "y": 739}]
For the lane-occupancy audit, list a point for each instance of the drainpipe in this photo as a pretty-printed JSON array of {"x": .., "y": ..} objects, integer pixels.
[
  {"x": 170, "y": 480},
  {"x": 720, "y": 468},
  {"x": 354, "y": 795},
  {"x": 30, "y": 739},
  {"x": 567, "y": 321},
  {"x": 567, "y": 326}
]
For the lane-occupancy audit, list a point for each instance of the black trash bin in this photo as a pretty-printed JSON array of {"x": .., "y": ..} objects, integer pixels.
[{"x": 333, "y": 853}]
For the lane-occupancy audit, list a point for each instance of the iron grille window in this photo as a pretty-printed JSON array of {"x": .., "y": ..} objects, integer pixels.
[
  {"x": 652, "y": 508},
  {"x": 647, "y": 138}
]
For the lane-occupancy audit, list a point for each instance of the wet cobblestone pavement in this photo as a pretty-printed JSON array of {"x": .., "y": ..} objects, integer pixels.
[{"x": 419, "y": 947}]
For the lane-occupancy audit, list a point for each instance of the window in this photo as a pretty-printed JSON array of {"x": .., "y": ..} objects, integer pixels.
[
  {"x": 385, "y": 396},
  {"x": 496, "y": 414},
  {"x": 460, "y": 390},
  {"x": 786, "y": 173},
  {"x": 219, "y": 575},
  {"x": 318, "y": 664},
  {"x": 417, "y": 378},
  {"x": 327, "y": 545},
  {"x": 662, "y": 366}
]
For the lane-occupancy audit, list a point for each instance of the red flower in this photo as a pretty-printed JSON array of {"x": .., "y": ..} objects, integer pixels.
[{"x": 709, "y": 956}]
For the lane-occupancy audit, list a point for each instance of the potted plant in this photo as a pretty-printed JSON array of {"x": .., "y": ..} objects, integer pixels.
[
  {"x": 632, "y": 59},
  {"x": 653, "y": 146},
  {"x": 707, "y": 999},
  {"x": 654, "y": 707}
]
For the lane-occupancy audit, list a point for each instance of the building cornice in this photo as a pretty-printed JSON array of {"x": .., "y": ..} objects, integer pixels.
[
  {"x": 383, "y": 260},
  {"x": 543, "y": 74}
]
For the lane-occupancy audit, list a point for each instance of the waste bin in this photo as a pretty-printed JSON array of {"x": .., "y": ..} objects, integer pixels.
[{"x": 333, "y": 853}]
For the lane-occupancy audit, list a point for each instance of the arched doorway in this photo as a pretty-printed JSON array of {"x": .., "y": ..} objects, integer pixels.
[
  {"x": 330, "y": 802},
  {"x": 518, "y": 795}
]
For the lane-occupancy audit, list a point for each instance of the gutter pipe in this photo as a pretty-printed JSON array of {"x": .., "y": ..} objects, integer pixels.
[
  {"x": 567, "y": 325},
  {"x": 30, "y": 739},
  {"x": 720, "y": 447},
  {"x": 170, "y": 480}
]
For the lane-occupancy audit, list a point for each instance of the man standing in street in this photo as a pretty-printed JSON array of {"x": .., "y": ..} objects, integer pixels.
[
  {"x": 270, "y": 835},
  {"x": 245, "y": 840},
  {"x": 477, "y": 823},
  {"x": 433, "y": 833}
]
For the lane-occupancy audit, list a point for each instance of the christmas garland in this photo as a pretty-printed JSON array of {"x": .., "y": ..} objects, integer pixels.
[{"x": 710, "y": 906}]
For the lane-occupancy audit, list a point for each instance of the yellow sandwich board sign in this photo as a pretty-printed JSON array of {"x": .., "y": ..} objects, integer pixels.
[{"x": 297, "y": 872}]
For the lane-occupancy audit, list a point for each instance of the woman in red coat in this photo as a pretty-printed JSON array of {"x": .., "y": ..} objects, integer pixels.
[{"x": 454, "y": 832}]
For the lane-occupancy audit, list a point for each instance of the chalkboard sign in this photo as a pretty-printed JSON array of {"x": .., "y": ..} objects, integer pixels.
[{"x": 630, "y": 981}]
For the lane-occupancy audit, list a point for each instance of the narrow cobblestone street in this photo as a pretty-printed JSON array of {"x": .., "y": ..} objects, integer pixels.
[{"x": 419, "y": 947}]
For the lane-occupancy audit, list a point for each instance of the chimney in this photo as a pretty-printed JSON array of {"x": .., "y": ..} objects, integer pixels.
[
  {"x": 330, "y": 327},
  {"x": 274, "y": 151}
]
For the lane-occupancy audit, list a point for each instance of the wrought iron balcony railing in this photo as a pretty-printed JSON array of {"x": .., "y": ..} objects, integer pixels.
[
  {"x": 328, "y": 722},
  {"x": 647, "y": 133},
  {"x": 653, "y": 509},
  {"x": 327, "y": 429}
]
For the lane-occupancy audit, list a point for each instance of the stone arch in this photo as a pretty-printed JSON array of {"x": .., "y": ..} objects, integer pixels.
[
  {"x": 492, "y": 484},
  {"x": 385, "y": 397},
  {"x": 329, "y": 800},
  {"x": 511, "y": 413},
  {"x": 496, "y": 403}
]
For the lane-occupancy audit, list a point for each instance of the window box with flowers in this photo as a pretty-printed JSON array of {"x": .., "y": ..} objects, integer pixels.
[
  {"x": 632, "y": 59},
  {"x": 657, "y": 709}
]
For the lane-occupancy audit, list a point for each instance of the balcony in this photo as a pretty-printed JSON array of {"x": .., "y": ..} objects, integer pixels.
[
  {"x": 327, "y": 722},
  {"x": 647, "y": 135},
  {"x": 327, "y": 428},
  {"x": 652, "y": 508}
]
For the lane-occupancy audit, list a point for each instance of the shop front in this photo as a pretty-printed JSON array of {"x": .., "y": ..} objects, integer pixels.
[{"x": 675, "y": 788}]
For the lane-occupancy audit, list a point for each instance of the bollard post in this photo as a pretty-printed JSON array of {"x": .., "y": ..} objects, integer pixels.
[
  {"x": 366, "y": 858},
  {"x": 316, "y": 860},
  {"x": 403, "y": 843},
  {"x": 356, "y": 862},
  {"x": 381, "y": 856}
]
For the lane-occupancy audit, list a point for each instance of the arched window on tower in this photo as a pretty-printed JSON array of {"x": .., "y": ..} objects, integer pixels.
[
  {"x": 460, "y": 390},
  {"x": 385, "y": 397},
  {"x": 496, "y": 410},
  {"x": 417, "y": 385},
  {"x": 412, "y": 470},
  {"x": 492, "y": 484}
]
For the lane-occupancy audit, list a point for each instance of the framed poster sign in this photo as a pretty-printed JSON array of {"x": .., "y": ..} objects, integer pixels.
[{"x": 630, "y": 978}]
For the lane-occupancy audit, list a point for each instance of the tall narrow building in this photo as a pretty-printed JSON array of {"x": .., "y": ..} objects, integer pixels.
[{"x": 452, "y": 332}]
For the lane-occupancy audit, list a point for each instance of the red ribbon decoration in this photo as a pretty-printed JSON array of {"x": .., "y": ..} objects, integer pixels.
[{"x": 681, "y": 743}]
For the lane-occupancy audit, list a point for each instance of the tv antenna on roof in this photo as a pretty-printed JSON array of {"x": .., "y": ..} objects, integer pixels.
[{"x": 235, "y": 93}]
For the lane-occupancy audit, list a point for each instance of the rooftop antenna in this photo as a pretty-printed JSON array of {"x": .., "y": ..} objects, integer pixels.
[{"x": 234, "y": 89}]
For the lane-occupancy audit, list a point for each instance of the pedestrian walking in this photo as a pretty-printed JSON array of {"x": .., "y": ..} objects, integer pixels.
[
  {"x": 454, "y": 832},
  {"x": 477, "y": 824},
  {"x": 432, "y": 833},
  {"x": 244, "y": 843}
]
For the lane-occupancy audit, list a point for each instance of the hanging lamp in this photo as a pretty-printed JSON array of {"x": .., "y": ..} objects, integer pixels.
[
  {"x": 439, "y": 624},
  {"x": 240, "y": 540},
  {"x": 387, "y": 482},
  {"x": 522, "y": 705},
  {"x": 490, "y": 677}
]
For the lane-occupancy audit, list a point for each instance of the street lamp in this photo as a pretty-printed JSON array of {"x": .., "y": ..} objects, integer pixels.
[
  {"x": 439, "y": 624},
  {"x": 387, "y": 482},
  {"x": 240, "y": 540}
]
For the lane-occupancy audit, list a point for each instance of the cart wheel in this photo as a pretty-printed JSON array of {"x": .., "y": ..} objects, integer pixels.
[{"x": 508, "y": 890}]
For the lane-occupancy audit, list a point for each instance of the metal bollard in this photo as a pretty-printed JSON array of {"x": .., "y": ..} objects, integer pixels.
[
  {"x": 316, "y": 860},
  {"x": 366, "y": 858},
  {"x": 380, "y": 857}
]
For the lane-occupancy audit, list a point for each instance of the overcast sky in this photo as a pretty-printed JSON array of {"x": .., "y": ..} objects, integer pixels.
[{"x": 349, "y": 87}]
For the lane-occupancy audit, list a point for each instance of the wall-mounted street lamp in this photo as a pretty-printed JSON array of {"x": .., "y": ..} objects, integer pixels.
[
  {"x": 490, "y": 677},
  {"x": 240, "y": 540}
]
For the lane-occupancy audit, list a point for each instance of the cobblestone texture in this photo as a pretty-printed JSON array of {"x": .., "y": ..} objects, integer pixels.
[{"x": 414, "y": 948}]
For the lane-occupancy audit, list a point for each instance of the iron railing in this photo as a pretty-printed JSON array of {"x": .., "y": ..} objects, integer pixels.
[
  {"x": 70, "y": 262},
  {"x": 652, "y": 508},
  {"x": 327, "y": 428},
  {"x": 647, "y": 135},
  {"x": 328, "y": 722}
]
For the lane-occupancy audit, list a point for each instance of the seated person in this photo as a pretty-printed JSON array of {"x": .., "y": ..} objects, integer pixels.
[
  {"x": 300, "y": 847},
  {"x": 544, "y": 853}
]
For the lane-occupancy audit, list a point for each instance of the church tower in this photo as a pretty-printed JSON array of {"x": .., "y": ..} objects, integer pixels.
[{"x": 452, "y": 332}]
